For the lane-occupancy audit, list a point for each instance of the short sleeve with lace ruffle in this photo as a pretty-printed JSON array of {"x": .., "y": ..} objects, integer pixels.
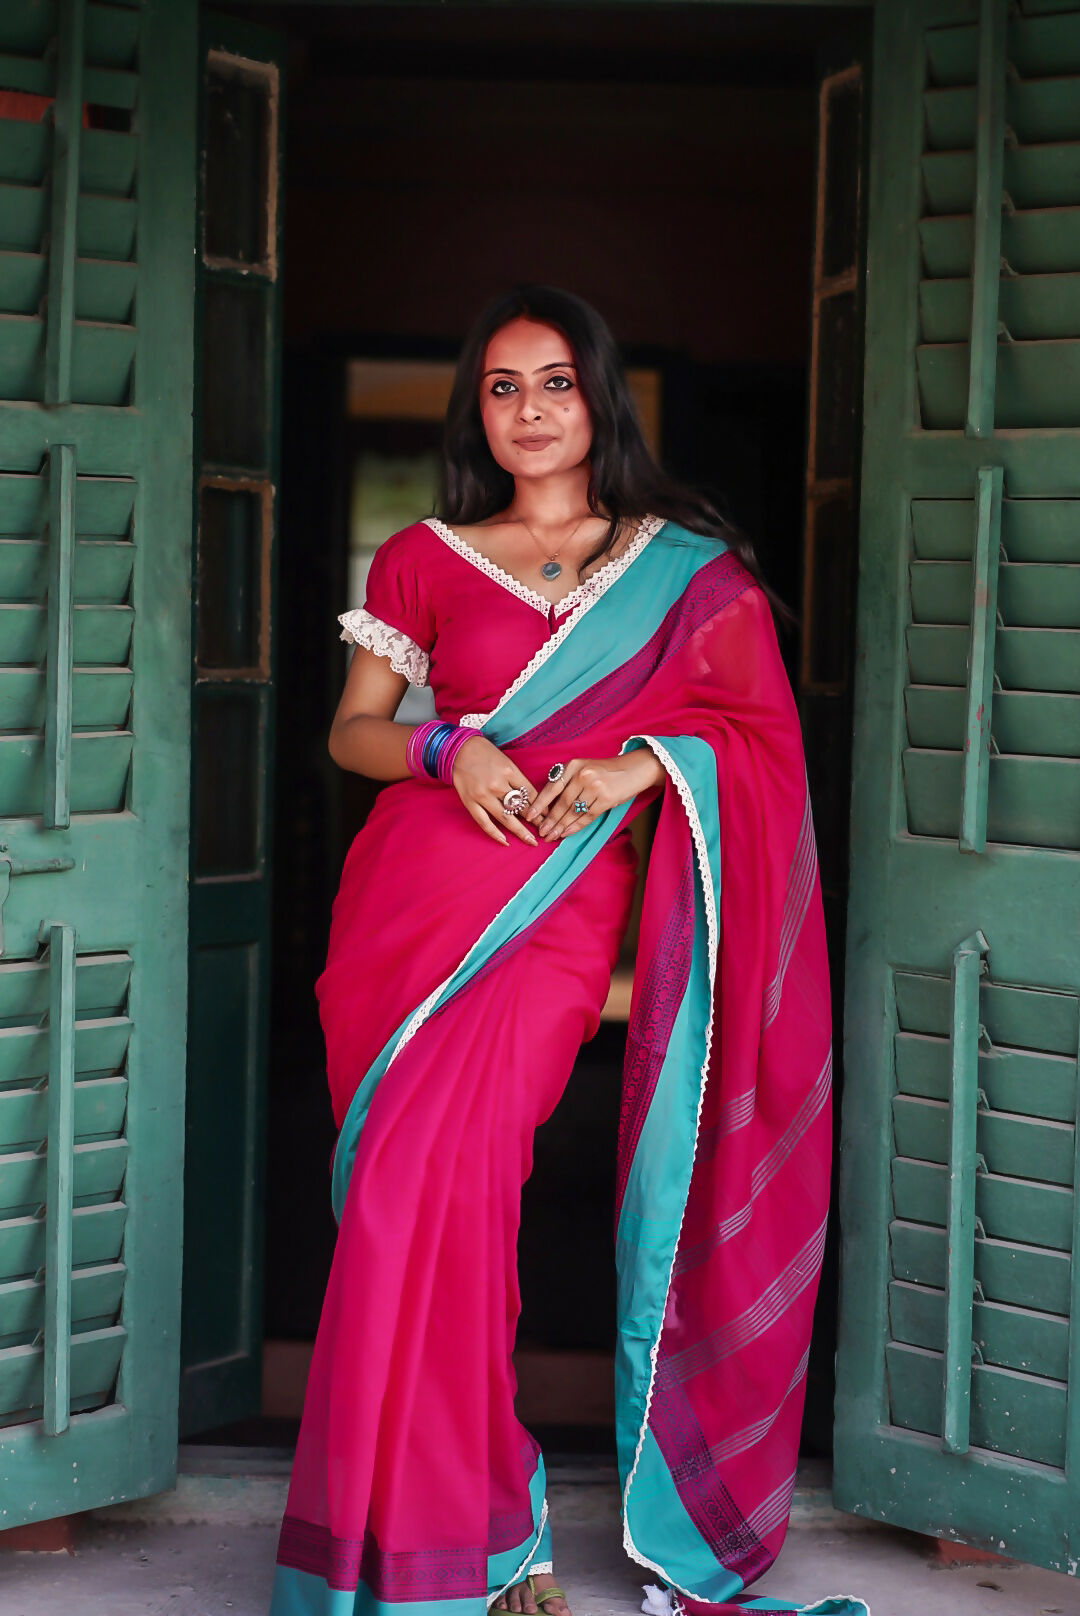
[{"x": 396, "y": 620}]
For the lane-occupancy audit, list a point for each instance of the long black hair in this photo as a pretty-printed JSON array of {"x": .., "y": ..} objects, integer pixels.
[{"x": 624, "y": 479}]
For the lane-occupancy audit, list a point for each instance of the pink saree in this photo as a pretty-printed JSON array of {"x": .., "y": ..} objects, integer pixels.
[{"x": 461, "y": 980}]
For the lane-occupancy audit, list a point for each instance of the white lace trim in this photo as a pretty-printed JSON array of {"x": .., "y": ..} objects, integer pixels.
[
  {"x": 701, "y": 851},
  {"x": 603, "y": 580},
  {"x": 531, "y": 597},
  {"x": 364, "y": 628},
  {"x": 539, "y": 1566}
]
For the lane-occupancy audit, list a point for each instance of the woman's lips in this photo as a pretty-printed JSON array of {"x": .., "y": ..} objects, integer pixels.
[{"x": 533, "y": 443}]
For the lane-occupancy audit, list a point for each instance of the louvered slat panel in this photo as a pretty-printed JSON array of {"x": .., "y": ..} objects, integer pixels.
[
  {"x": 105, "y": 227},
  {"x": 1024, "y": 1339},
  {"x": 104, "y": 560},
  {"x": 1024, "y": 1190},
  {"x": 1033, "y": 307},
  {"x": 1008, "y": 1208},
  {"x": 1038, "y": 384},
  {"x": 95, "y": 1302},
  {"x": 1027, "y": 658},
  {"x": 100, "y": 699},
  {"x": 101, "y": 984},
  {"x": 103, "y": 343},
  {"x": 1029, "y": 596},
  {"x": 103, "y": 505},
  {"x": 1034, "y": 781},
  {"x": 97, "y": 1235},
  {"x": 104, "y": 290},
  {"x": 1013, "y": 1146},
  {"x": 22, "y": 218},
  {"x": 99, "y": 1171},
  {"x": 99, "y": 771},
  {"x": 95, "y": 1359},
  {"x": 1037, "y": 241},
  {"x": 1024, "y": 1276},
  {"x": 1025, "y": 722},
  {"x": 1032, "y": 529},
  {"x": 1010, "y": 1412},
  {"x": 1018, "y": 1080},
  {"x": 1033, "y": 801},
  {"x": 99, "y": 1110},
  {"x": 107, "y": 162},
  {"x": 24, "y": 152},
  {"x": 102, "y": 570},
  {"x": 1038, "y": 362},
  {"x": 102, "y": 634},
  {"x": 1023, "y": 1016}
]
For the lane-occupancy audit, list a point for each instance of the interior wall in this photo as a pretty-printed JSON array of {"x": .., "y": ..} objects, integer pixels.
[{"x": 683, "y": 212}]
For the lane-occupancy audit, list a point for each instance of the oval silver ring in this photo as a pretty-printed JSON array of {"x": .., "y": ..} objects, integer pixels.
[
  {"x": 515, "y": 800},
  {"x": 556, "y": 772}
]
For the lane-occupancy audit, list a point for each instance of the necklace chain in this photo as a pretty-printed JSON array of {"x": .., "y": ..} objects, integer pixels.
[{"x": 551, "y": 554}]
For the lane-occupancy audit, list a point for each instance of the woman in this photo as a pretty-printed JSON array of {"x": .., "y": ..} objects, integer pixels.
[{"x": 593, "y": 642}]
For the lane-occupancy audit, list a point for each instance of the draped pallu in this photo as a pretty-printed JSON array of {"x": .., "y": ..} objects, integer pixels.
[{"x": 461, "y": 979}]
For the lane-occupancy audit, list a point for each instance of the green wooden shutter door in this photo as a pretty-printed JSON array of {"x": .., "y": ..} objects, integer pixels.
[
  {"x": 234, "y": 587},
  {"x": 958, "y": 1408},
  {"x": 96, "y": 228}
]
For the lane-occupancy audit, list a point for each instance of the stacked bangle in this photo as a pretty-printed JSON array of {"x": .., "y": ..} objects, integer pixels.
[{"x": 432, "y": 748}]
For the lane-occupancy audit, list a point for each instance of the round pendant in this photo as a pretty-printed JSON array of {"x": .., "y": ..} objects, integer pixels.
[{"x": 551, "y": 569}]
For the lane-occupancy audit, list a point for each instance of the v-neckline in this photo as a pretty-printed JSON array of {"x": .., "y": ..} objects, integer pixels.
[{"x": 647, "y": 527}]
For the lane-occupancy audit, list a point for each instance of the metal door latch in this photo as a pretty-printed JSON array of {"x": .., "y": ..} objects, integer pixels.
[{"x": 12, "y": 866}]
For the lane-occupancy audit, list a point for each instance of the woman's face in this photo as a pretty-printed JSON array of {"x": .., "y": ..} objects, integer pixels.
[{"x": 534, "y": 413}]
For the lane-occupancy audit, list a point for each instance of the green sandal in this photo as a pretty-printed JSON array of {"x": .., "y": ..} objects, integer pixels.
[{"x": 539, "y": 1599}]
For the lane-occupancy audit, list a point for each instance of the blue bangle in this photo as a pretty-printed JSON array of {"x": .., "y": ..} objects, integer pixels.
[{"x": 433, "y": 747}]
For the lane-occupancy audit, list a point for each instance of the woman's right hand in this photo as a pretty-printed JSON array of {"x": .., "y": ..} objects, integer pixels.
[{"x": 482, "y": 776}]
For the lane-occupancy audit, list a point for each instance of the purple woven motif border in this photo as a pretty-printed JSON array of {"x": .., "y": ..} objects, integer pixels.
[
  {"x": 649, "y": 1033},
  {"x": 714, "y": 586},
  {"x": 410, "y": 1575},
  {"x": 342, "y": 1563},
  {"x": 697, "y": 1480}
]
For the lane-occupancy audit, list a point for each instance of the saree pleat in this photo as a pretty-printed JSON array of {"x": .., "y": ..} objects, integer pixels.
[{"x": 409, "y": 1423}]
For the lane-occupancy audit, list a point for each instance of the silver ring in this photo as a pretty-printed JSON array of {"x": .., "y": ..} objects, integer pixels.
[
  {"x": 515, "y": 800},
  {"x": 581, "y": 806},
  {"x": 556, "y": 772}
]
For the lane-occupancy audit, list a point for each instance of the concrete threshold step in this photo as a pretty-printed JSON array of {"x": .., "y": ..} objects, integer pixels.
[{"x": 231, "y": 1486}]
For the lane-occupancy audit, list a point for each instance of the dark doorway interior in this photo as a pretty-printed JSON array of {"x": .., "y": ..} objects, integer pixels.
[{"x": 660, "y": 161}]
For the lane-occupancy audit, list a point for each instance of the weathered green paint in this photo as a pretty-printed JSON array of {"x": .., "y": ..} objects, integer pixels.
[
  {"x": 60, "y": 649},
  {"x": 986, "y": 220},
  {"x": 928, "y": 487},
  {"x": 60, "y": 1163},
  {"x": 67, "y": 141},
  {"x": 967, "y": 965},
  {"x": 982, "y": 612},
  {"x": 229, "y": 971},
  {"x": 98, "y": 1056}
]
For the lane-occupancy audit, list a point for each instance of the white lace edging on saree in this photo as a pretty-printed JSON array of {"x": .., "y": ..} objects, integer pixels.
[
  {"x": 404, "y": 655},
  {"x": 592, "y": 590}
]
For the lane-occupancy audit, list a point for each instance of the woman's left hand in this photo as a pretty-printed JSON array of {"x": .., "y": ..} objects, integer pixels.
[{"x": 600, "y": 783}]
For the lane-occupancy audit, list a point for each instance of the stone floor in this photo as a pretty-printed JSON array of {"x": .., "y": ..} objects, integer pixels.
[{"x": 207, "y": 1549}]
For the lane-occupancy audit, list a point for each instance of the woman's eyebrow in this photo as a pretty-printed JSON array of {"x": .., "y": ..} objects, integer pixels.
[{"x": 504, "y": 370}]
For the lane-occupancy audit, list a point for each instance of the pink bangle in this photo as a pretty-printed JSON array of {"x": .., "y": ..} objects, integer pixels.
[
  {"x": 450, "y": 752},
  {"x": 414, "y": 748}
]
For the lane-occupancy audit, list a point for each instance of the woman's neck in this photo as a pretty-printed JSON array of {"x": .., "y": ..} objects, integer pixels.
[{"x": 550, "y": 502}]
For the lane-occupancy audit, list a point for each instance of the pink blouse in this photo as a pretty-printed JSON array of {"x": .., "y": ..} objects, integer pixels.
[{"x": 445, "y": 615}]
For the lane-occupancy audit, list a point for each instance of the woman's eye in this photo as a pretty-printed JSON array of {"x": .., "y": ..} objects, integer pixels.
[
  {"x": 563, "y": 381},
  {"x": 497, "y": 387}
]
